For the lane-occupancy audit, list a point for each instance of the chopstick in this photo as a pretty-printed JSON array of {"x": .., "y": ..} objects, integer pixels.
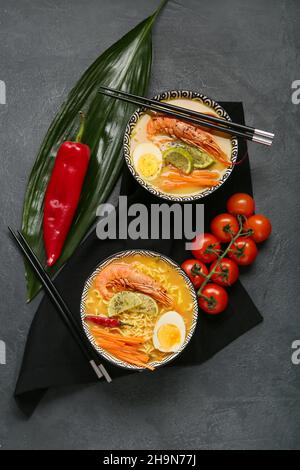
[
  {"x": 212, "y": 122},
  {"x": 61, "y": 306},
  {"x": 190, "y": 112}
]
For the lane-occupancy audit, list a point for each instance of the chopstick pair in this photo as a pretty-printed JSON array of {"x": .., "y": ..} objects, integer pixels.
[
  {"x": 61, "y": 306},
  {"x": 201, "y": 119}
]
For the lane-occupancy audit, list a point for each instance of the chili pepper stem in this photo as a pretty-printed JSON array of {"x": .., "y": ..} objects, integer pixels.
[{"x": 81, "y": 127}]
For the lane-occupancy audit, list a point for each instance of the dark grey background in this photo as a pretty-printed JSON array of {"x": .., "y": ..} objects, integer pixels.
[{"x": 248, "y": 395}]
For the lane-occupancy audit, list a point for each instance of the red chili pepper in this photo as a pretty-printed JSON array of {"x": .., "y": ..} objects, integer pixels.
[
  {"x": 105, "y": 321},
  {"x": 63, "y": 193}
]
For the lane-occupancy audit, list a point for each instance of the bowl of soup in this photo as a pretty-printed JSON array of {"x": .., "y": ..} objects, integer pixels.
[
  {"x": 139, "y": 309},
  {"x": 176, "y": 160}
]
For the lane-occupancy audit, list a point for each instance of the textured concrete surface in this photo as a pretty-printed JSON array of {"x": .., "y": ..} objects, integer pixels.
[{"x": 248, "y": 396}]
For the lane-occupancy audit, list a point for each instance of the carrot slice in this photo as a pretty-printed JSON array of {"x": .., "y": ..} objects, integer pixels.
[
  {"x": 136, "y": 358},
  {"x": 111, "y": 347},
  {"x": 122, "y": 347},
  {"x": 183, "y": 184},
  {"x": 172, "y": 173},
  {"x": 116, "y": 336},
  {"x": 211, "y": 173},
  {"x": 136, "y": 362}
]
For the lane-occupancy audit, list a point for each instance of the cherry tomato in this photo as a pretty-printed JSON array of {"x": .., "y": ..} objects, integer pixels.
[
  {"x": 261, "y": 227},
  {"x": 205, "y": 247},
  {"x": 241, "y": 203},
  {"x": 215, "y": 301},
  {"x": 227, "y": 272},
  {"x": 223, "y": 226},
  {"x": 244, "y": 251},
  {"x": 191, "y": 267}
]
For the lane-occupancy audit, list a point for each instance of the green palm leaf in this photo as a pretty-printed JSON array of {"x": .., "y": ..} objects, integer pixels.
[{"x": 125, "y": 65}]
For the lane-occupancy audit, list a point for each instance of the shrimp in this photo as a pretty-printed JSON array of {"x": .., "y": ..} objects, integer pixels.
[
  {"x": 120, "y": 276},
  {"x": 189, "y": 133}
]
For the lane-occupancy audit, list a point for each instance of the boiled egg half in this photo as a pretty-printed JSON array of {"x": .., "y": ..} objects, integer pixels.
[
  {"x": 169, "y": 332},
  {"x": 147, "y": 160}
]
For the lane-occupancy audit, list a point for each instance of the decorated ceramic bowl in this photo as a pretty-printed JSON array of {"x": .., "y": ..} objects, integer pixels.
[
  {"x": 165, "y": 318},
  {"x": 154, "y": 145}
]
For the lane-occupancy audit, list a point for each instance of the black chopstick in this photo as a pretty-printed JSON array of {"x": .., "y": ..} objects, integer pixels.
[
  {"x": 61, "y": 306},
  {"x": 191, "y": 112},
  {"x": 255, "y": 135}
]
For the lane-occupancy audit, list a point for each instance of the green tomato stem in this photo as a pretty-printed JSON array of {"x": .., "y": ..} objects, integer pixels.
[{"x": 220, "y": 257}]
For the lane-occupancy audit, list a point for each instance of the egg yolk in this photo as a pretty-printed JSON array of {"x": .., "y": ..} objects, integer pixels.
[
  {"x": 168, "y": 336},
  {"x": 148, "y": 165}
]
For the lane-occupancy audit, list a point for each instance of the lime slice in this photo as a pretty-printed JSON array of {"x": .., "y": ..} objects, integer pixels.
[
  {"x": 123, "y": 301},
  {"x": 201, "y": 159},
  {"x": 147, "y": 305},
  {"x": 180, "y": 158}
]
